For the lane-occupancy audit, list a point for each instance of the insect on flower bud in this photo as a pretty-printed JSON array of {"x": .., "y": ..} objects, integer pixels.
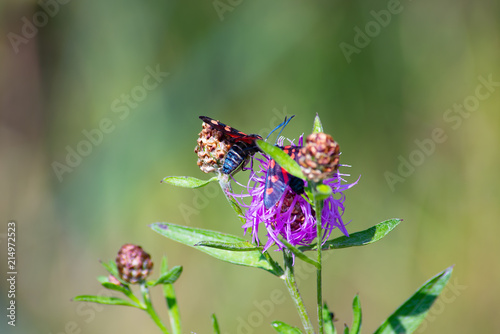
[
  {"x": 319, "y": 157},
  {"x": 134, "y": 264},
  {"x": 211, "y": 149}
]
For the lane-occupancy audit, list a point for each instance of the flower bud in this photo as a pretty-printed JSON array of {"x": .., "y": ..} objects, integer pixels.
[
  {"x": 112, "y": 279},
  {"x": 134, "y": 264},
  {"x": 319, "y": 157},
  {"x": 211, "y": 149}
]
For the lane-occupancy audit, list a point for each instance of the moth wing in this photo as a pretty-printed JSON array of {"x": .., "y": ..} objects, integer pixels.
[{"x": 275, "y": 184}]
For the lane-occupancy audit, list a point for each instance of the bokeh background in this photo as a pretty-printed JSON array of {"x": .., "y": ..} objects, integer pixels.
[{"x": 247, "y": 63}]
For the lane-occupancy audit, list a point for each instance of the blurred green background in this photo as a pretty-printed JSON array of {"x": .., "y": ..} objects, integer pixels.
[{"x": 248, "y": 63}]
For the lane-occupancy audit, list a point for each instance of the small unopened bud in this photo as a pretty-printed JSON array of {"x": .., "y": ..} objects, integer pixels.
[
  {"x": 319, "y": 157},
  {"x": 112, "y": 279},
  {"x": 134, "y": 264},
  {"x": 211, "y": 149}
]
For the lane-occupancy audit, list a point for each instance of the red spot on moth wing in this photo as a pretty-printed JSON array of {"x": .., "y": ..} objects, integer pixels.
[
  {"x": 272, "y": 163},
  {"x": 274, "y": 178},
  {"x": 269, "y": 191},
  {"x": 285, "y": 175}
]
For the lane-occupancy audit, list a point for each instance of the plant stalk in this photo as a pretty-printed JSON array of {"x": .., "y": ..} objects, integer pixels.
[
  {"x": 319, "y": 290},
  {"x": 150, "y": 310},
  {"x": 291, "y": 284}
]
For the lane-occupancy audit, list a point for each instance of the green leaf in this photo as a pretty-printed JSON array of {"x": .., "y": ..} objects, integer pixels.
[
  {"x": 169, "y": 277},
  {"x": 187, "y": 181},
  {"x": 346, "y": 329},
  {"x": 120, "y": 288},
  {"x": 230, "y": 246},
  {"x": 281, "y": 158},
  {"x": 361, "y": 238},
  {"x": 105, "y": 300},
  {"x": 299, "y": 254},
  {"x": 322, "y": 192},
  {"x": 317, "y": 127},
  {"x": 408, "y": 316},
  {"x": 102, "y": 279},
  {"x": 171, "y": 300},
  {"x": 328, "y": 319},
  {"x": 282, "y": 328},
  {"x": 215, "y": 324},
  {"x": 110, "y": 266},
  {"x": 192, "y": 236},
  {"x": 356, "y": 317}
]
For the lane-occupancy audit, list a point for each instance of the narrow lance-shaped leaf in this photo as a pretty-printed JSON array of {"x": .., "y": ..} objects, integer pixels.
[
  {"x": 356, "y": 317},
  {"x": 120, "y": 288},
  {"x": 192, "y": 236},
  {"x": 105, "y": 300},
  {"x": 110, "y": 266},
  {"x": 171, "y": 299},
  {"x": 281, "y": 158},
  {"x": 410, "y": 315},
  {"x": 361, "y": 238},
  {"x": 187, "y": 181},
  {"x": 231, "y": 246},
  {"x": 215, "y": 324},
  {"x": 283, "y": 328},
  {"x": 169, "y": 277}
]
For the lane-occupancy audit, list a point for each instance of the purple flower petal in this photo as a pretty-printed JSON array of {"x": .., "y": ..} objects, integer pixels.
[{"x": 292, "y": 217}]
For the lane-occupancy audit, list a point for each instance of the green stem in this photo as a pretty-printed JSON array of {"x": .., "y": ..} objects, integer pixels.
[
  {"x": 225, "y": 185},
  {"x": 132, "y": 297},
  {"x": 150, "y": 309},
  {"x": 291, "y": 284},
  {"x": 173, "y": 309},
  {"x": 319, "y": 210}
]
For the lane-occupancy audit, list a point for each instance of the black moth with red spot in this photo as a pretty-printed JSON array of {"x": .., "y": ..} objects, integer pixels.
[
  {"x": 243, "y": 145},
  {"x": 278, "y": 178}
]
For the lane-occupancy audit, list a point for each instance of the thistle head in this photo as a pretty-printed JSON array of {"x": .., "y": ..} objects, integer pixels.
[
  {"x": 134, "y": 264},
  {"x": 211, "y": 149},
  {"x": 319, "y": 158}
]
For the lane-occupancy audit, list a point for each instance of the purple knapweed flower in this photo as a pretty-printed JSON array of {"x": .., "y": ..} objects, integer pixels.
[{"x": 292, "y": 217}]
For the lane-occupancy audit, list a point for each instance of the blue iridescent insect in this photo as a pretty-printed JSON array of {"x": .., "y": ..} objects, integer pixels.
[{"x": 244, "y": 146}]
